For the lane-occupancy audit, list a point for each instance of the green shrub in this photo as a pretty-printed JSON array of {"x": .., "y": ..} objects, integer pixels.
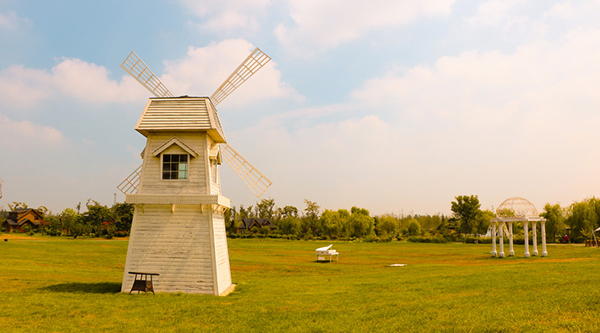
[
  {"x": 427, "y": 239},
  {"x": 372, "y": 238},
  {"x": 121, "y": 234}
]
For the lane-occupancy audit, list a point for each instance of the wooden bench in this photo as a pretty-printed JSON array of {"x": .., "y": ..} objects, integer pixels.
[{"x": 143, "y": 282}]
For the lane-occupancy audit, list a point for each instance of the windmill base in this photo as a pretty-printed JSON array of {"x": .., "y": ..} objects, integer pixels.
[{"x": 186, "y": 246}]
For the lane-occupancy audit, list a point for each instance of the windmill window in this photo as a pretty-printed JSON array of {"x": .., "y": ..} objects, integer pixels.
[{"x": 175, "y": 166}]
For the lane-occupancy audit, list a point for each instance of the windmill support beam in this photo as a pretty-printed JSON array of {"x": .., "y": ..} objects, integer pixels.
[{"x": 179, "y": 199}]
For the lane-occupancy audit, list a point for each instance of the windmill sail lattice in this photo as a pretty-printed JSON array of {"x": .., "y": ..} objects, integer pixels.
[
  {"x": 255, "y": 180},
  {"x": 255, "y": 61},
  {"x": 138, "y": 69},
  {"x": 131, "y": 183}
]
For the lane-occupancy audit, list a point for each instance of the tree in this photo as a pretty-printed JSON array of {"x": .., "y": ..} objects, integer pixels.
[
  {"x": 69, "y": 220},
  {"x": 360, "y": 223},
  {"x": 96, "y": 215},
  {"x": 243, "y": 213},
  {"x": 288, "y": 211},
  {"x": 311, "y": 216},
  {"x": 388, "y": 225},
  {"x": 17, "y": 205},
  {"x": 582, "y": 219},
  {"x": 414, "y": 228},
  {"x": 466, "y": 209},
  {"x": 333, "y": 223},
  {"x": 229, "y": 217},
  {"x": 290, "y": 225},
  {"x": 483, "y": 221},
  {"x": 42, "y": 209},
  {"x": 123, "y": 216},
  {"x": 265, "y": 208},
  {"x": 555, "y": 221}
]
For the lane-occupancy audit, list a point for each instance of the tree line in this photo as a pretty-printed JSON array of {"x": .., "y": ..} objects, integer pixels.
[
  {"x": 312, "y": 223},
  {"x": 579, "y": 220},
  {"x": 97, "y": 221}
]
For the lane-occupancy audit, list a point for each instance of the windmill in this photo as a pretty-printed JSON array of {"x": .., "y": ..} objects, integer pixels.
[
  {"x": 1, "y": 182},
  {"x": 178, "y": 228}
]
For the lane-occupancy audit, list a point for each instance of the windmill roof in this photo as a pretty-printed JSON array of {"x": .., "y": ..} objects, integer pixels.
[{"x": 183, "y": 113}]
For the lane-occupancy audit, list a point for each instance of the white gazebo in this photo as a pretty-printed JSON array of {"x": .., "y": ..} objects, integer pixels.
[{"x": 520, "y": 210}]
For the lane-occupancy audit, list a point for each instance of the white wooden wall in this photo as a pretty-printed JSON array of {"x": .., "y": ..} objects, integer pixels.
[
  {"x": 151, "y": 178},
  {"x": 175, "y": 245},
  {"x": 221, "y": 253}
]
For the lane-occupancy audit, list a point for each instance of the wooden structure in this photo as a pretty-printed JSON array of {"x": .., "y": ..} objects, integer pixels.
[
  {"x": 246, "y": 224},
  {"x": 323, "y": 252},
  {"x": 19, "y": 218},
  {"x": 178, "y": 228}
]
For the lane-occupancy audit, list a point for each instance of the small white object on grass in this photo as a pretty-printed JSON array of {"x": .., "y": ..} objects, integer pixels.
[{"x": 397, "y": 265}]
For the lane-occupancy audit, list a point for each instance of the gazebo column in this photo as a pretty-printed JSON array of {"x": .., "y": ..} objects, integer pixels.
[
  {"x": 526, "y": 230},
  {"x": 501, "y": 240},
  {"x": 511, "y": 251},
  {"x": 544, "y": 252},
  {"x": 494, "y": 253},
  {"x": 534, "y": 225}
]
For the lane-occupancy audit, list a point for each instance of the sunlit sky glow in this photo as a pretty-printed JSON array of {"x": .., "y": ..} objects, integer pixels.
[{"x": 394, "y": 106}]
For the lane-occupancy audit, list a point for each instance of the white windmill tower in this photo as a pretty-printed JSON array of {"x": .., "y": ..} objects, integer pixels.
[{"x": 178, "y": 229}]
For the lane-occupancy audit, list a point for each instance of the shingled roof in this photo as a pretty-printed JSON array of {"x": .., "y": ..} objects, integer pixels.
[{"x": 181, "y": 114}]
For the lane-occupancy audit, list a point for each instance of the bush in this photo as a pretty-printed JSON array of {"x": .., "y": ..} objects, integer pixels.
[
  {"x": 427, "y": 239},
  {"x": 372, "y": 238},
  {"x": 121, "y": 234},
  {"x": 479, "y": 240}
]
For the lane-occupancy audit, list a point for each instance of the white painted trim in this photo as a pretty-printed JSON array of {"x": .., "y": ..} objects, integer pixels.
[
  {"x": 180, "y": 199},
  {"x": 174, "y": 141}
]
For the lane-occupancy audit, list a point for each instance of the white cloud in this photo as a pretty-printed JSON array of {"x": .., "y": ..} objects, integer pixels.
[
  {"x": 561, "y": 10},
  {"x": 493, "y": 12},
  {"x": 579, "y": 12},
  {"x": 26, "y": 88},
  {"x": 90, "y": 83},
  {"x": 27, "y": 136},
  {"x": 320, "y": 25},
  {"x": 202, "y": 71},
  {"x": 228, "y": 16},
  {"x": 11, "y": 21}
]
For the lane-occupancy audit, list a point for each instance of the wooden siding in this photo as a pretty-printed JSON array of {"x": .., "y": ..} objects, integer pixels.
[
  {"x": 181, "y": 113},
  {"x": 175, "y": 245},
  {"x": 221, "y": 253},
  {"x": 151, "y": 181}
]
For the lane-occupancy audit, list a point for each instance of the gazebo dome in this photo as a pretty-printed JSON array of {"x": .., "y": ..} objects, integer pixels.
[{"x": 521, "y": 207}]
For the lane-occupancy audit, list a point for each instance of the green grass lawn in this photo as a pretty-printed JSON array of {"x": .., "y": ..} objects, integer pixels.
[{"x": 51, "y": 284}]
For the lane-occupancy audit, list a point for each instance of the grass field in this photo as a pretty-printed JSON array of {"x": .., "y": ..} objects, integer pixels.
[{"x": 66, "y": 285}]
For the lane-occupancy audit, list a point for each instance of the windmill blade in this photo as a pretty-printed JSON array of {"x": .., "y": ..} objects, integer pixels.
[
  {"x": 1, "y": 182},
  {"x": 255, "y": 180},
  {"x": 131, "y": 183},
  {"x": 255, "y": 61},
  {"x": 142, "y": 73}
]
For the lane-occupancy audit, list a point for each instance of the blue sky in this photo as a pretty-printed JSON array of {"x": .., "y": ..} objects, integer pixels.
[{"x": 395, "y": 106}]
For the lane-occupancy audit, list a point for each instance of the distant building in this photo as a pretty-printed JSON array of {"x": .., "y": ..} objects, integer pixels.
[
  {"x": 19, "y": 218},
  {"x": 249, "y": 223}
]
